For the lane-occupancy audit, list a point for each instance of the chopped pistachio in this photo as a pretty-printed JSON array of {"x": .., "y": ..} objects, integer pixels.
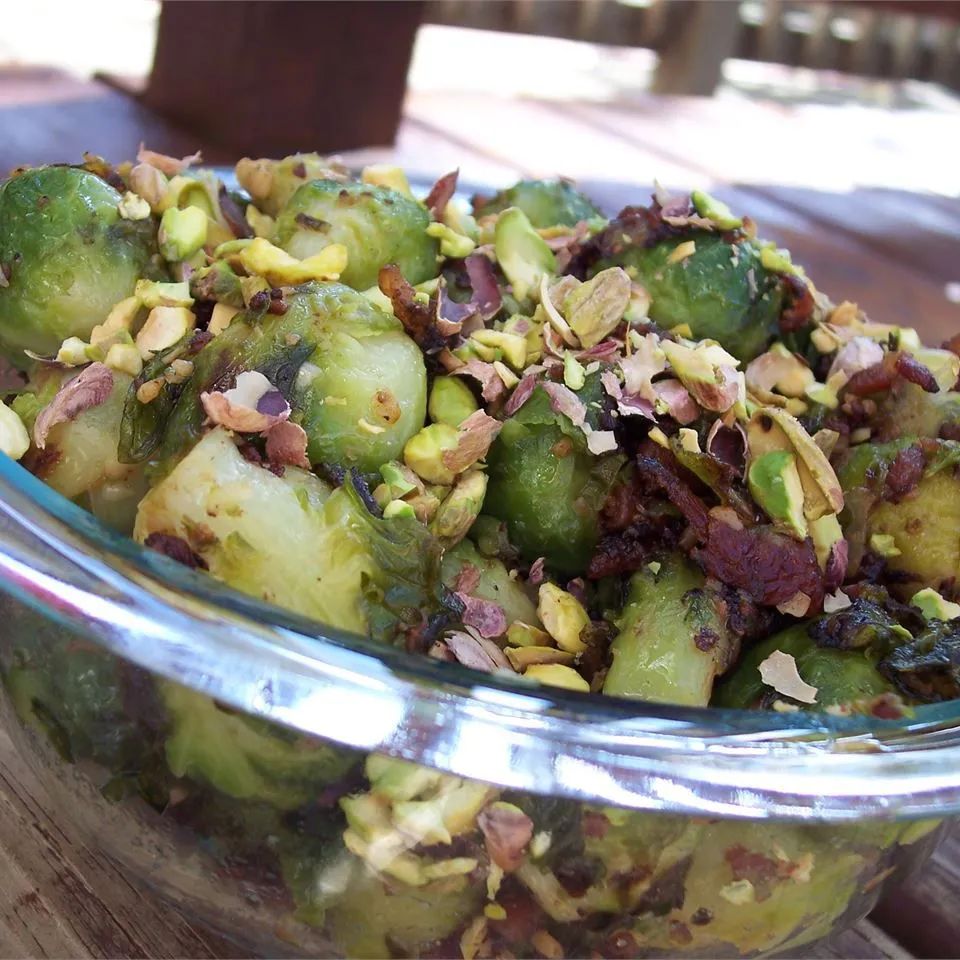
[
  {"x": 714, "y": 210},
  {"x": 522, "y": 253},
  {"x": 423, "y": 452},
  {"x": 189, "y": 192},
  {"x": 512, "y": 346},
  {"x": 124, "y": 357},
  {"x": 153, "y": 293},
  {"x": 860, "y": 435},
  {"x": 933, "y": 606},
  {"x": 507, "y": 377},
  {"x": 522, "y": 657},
  {"x": 823, "y": 394},
  {"x": 520, "y": 634},
  {"x": 682, "y": 251},
  {"x": 14, "y": 439},
  {"x": 495, "y": 912},
  {"x": 557, "y": 675},
  {"x": 133, "y": 207},
  {"x": 221, "y": 317},
  {"x": 73, "y": 352},
  {"x": 775, "y": 485},
  {"x": 398, "y": 508},
  {"x": 574, "y": 376},
  {"x": 120, "y": 317},
  {"x": 777, "y": 260},
  {"x": 689, "y": 440},
  {"x": 739, "y": 892},
  {"x": 943, "y": 364},
  {"x": 182, "y": 232},
  {"x": 452, "y": 244},
  {"x": 461, "y": 507},
  {"x": 885, "y": 545},
  {"x": 594, "y": 308},
  {"x": 563, "y": 616},
  {"x": 262, "y": 224},
  {"x": 400, "y": 479},
  {"x": 659, "y": 437},
  {"x": 451, "y": 401},
  {"x": 548, "y": 312},
  {"x": 386, "y": 175},
  {"x": 826, "y": 533},
  {"x": 149, "y": 391},
  {"x": 264, "y": 259},
  {"x": 163, "y": 328},
  {"x": 150, "y": 183},
  {"x": 457, "y": 217},
  {"x": 372, "y": 428}
]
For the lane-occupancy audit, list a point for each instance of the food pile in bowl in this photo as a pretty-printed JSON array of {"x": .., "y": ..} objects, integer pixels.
[{"x": 640, "y": 457}]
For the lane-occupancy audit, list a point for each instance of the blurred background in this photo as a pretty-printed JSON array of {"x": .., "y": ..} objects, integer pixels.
[{"x": 836, "y": 125}]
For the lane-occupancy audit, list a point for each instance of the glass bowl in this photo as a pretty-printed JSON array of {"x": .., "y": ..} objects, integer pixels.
[{"x": 311, "y": 792}]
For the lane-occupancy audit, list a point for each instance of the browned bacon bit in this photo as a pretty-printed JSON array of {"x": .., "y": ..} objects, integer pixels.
[
  {"x": 798, "y": 303},
  {"x": 176, "y": 548},
  {"x": 905, "y": 473},
  {"x": 953, "y": 344},
  {"x": 913, "y": 370},
  {"x": 880, "y": 376},
  {"x": 633, "y": 226},
  {"x": 506, "y": 832},
  {"x": 769, "y": 567},
  {"x": 418, "y": 318},
  {"x": 483, "y": 281},
  {"x": 441, "y": 193},
  {"x": 88, "y": 389},
  {"x": 758, "y": 868},
  {"x": 616, "y": 554}
]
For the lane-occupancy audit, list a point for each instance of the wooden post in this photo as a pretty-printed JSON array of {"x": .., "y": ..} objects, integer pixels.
[
  {"x": 691, "y": 58},
  {"x": 269, "y": 78}
]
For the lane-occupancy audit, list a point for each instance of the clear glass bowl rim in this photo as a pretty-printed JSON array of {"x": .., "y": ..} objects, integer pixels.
[{"x": 701, "y": 761}]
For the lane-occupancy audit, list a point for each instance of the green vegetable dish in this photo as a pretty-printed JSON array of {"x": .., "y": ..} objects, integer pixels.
[{"x": 640, "y": 456}]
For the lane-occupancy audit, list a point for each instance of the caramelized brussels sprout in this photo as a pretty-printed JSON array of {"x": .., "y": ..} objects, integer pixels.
[
  {"x": 546, "y": 486},
  {"x": 909, "y": 492},
  {"x": 66, "y": 256},
  {"x": 673, "y": 640},
  {"x": 841, "y": 676},
  {"x": 356, "y": 382},
  {"x": 721, "y": 291},
  {"x": 547, "y": 203},
  {"x": 290, "y": 541},
  {"x": 377, "y": 226}
]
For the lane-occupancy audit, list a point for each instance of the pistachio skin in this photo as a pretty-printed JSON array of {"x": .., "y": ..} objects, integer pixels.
[
  {"x": 67, "y": 256},
  {"x": 377, "y": 226}
]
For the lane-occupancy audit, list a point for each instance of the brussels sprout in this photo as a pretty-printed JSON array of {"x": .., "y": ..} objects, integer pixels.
[
  {"x": 67, "y": 257},
  {"x": 377, "y": 226},
  {"x": 333, "y": 562},
  {"x": 495, "y": 583},
  {"x": 907, "y": 410},
  {"x": 244, "y": 757},
  {"x": 721, "y": 290},
  {"x": 547, "y": 203},
  {"x": 271, "y": 183},
  {"x": 840, "y": 676},
  {"x": 673, "y": 640},
  {"x": 355, "y": 380},
  {"x": 546, "y": 486},
  {"x": 924, "y": 521}
]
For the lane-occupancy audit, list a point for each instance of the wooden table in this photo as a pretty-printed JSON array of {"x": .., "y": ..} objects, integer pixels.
[{"x": 812, "y": 178}]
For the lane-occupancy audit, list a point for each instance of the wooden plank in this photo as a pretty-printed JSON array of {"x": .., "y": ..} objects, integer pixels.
[
  {"x": 65, "y": 899},
  {"x": 922, "y": 913}
]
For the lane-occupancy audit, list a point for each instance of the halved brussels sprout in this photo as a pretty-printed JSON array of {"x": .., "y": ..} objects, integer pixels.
[
  {"x": 66, "y": 257},
  {"x": 547, "y": 203},
  {"x": 290, "y": 541},
  {"x": 377, "y": 226},
  {"x": 673, "y": 640},
  {"x": 356, "y": 382}
]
